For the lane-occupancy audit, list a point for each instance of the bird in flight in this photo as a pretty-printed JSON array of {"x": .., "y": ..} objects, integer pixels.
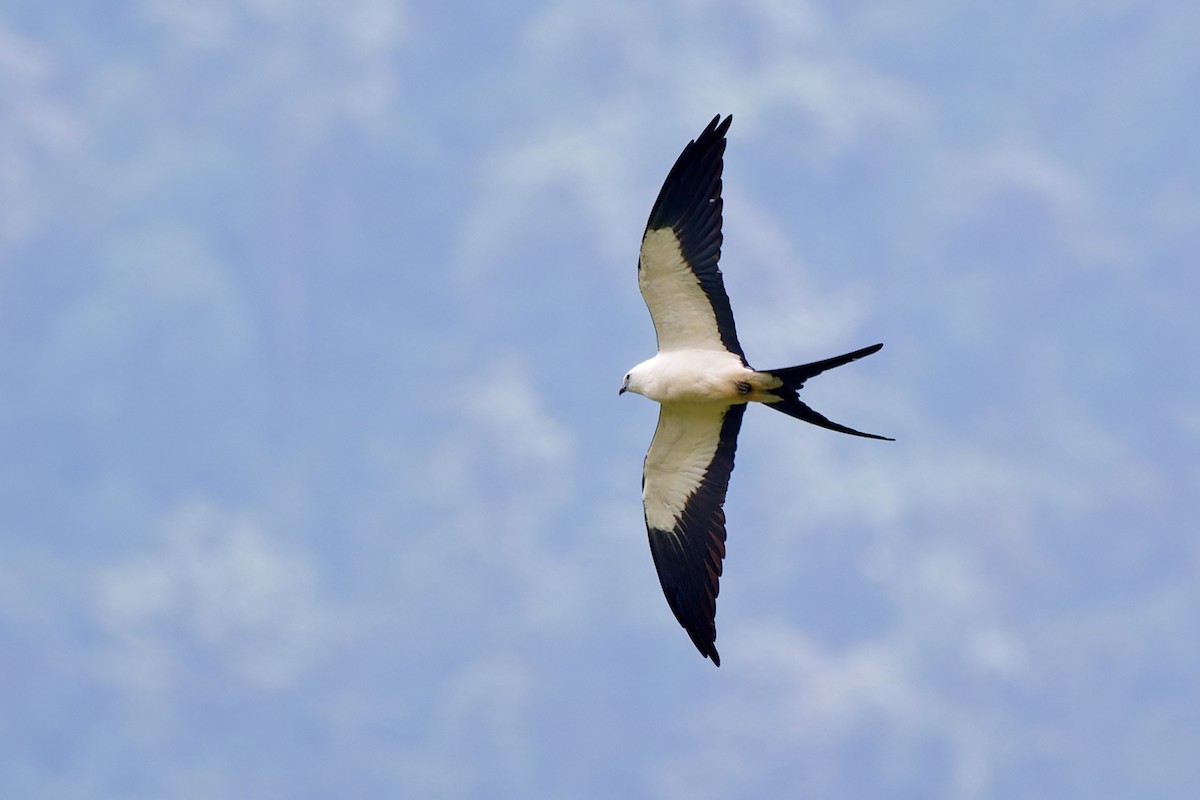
[{"x": 702, "y": 382}]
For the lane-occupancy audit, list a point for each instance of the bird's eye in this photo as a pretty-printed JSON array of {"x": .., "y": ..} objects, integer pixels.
[{"x": 627, "y": 379}]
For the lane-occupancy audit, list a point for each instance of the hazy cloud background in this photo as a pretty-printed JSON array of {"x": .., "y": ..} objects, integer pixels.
[{"x": 313, "y": 477}]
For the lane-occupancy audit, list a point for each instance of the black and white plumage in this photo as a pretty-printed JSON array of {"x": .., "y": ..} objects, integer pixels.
[{"x": 702, "y": 381}]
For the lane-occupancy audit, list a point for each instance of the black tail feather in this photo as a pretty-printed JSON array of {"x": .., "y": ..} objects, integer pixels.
[
  {"x": 791, "y": 405},
  {"x": 794, "y": 377}
]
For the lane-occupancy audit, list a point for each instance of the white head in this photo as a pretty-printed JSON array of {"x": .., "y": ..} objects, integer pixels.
[{"x": 635, "y": 380}]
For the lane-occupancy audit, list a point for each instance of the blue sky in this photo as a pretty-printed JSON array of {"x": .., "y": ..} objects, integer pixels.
[{"x": 313, "y": 477}]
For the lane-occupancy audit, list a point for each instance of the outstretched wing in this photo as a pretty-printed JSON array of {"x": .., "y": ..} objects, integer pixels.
[
  {"x": 677, "y": 270},
  {"x": 684, "y": 482}
]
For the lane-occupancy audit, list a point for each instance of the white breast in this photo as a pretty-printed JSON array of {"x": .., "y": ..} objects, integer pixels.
[{"x": 693, "y": 376}]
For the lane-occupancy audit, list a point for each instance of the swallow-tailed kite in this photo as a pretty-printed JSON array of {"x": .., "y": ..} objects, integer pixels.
[{"x": 702, "y": 383}]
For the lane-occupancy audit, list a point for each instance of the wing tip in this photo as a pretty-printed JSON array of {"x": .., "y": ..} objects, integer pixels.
[
  {"x": 698, "y": 168},
  {"x": 707, "y": 646},
  {"x": 718, "y": 127}
]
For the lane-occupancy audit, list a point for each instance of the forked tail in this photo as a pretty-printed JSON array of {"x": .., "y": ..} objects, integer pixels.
[{"x": 793, "y": 379}]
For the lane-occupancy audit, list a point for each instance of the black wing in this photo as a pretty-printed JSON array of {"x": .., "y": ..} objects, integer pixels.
[
  {"x": 677, "y": 270},
  {"x": 683, "y": 489}
]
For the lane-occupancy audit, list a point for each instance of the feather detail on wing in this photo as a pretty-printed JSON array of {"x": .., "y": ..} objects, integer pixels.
[
  {"x": 684, "y": 482},
  {"x": 677, "y": 270}
]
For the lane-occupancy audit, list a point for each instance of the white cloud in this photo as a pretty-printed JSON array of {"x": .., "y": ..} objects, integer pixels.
[
  {"x": 217, "y": 590},
  {"x": 353, "y": 72},
  {"x": 39, "y": 130},
  {"x": 517, "y": 420},
  {"x": 1023, "y": 179}
]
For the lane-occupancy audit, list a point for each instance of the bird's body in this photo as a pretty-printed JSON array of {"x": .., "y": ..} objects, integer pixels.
[
  {"x": 702, "y": 381},
  {"x": 699, "y": 376}
]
